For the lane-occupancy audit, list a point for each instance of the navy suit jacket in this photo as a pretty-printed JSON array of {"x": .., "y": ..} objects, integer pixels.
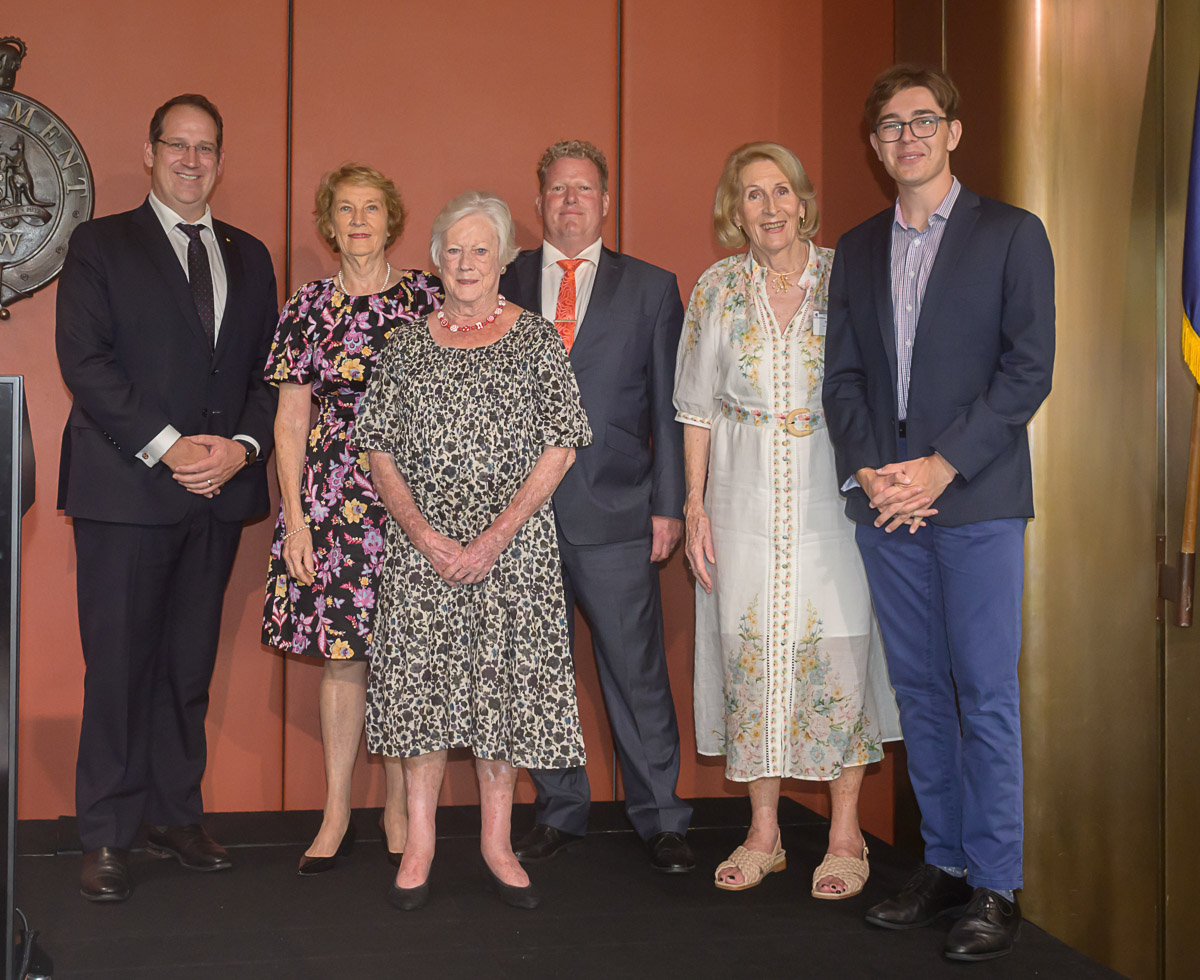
[
  {"x": 981, "y": 362},
  {"x": 624, "y": 361},
  {"x": 135, "y": 357}
]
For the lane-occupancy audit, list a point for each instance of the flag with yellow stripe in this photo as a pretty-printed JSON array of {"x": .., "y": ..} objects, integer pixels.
[{"x": 1191, "y": 255}]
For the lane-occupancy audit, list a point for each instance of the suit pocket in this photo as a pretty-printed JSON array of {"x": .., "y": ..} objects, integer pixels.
[{"x": 623, "y": 442}]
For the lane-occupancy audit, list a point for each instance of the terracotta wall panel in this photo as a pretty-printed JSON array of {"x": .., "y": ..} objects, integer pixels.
[{"x": 104, "y": 68}]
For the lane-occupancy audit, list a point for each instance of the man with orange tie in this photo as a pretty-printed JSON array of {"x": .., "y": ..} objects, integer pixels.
[{"x": 620, "y": 507}]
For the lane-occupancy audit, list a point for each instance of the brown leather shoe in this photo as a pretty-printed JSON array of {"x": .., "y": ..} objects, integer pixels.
[
  {"x": 105, "y": 876},
  {"x": 190, "y": 846}
]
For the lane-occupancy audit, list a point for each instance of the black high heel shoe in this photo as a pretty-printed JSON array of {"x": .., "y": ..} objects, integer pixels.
[
  {"x": 394, "y": 857},
  {"x": 319, "y": 865},
  {"x": 409, "y": 899},
  {"x": 518, "y": 898}
]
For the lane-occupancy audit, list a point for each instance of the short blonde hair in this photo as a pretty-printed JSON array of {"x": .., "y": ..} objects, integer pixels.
[
  {"x": 729, "y": 191},
  {"x": 577, "y": 150},
  {"x": 356, "y": 173},
  {"x": 465, "y": 204}
]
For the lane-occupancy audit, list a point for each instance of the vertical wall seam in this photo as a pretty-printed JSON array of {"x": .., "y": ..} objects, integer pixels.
[{"x": 287, "y": 282}]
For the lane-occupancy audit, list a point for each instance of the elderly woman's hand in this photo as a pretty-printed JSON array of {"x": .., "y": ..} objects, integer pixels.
[
  {"x": 297, "y": 554},
  {"x": 477, "y": 559},
  {"x": 441, "y": 551},
  {"x": 699, "y": 548}
]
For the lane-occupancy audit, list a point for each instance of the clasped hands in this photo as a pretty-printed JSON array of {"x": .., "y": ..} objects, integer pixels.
[
  {"x": 461, "y": 564},
  {"x": 904, "y": 493},
  {"x": 203, "y": 463}
]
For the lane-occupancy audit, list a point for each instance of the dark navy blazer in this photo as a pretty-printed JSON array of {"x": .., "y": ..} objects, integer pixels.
[
  {"x": 624, "y": 361},
  {"x": 981, "y": 363},
  {"x": 135, "y": 357}
]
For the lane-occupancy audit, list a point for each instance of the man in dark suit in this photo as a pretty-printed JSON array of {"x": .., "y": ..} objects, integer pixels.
[
  {"x": 620, "y": 507},
  {"x": 940, "y": 350},
  {"x": 164, "y": 321}
]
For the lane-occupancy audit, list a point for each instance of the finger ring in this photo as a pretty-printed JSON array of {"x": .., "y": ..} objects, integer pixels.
[{"x": 210, "y": 483}]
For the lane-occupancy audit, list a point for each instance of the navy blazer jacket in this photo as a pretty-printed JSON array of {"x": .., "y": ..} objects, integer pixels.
[
  {"x": 981, "y": 362},
  {"x": 135, "y": 357},
  {"x": 624, "y": 361}
]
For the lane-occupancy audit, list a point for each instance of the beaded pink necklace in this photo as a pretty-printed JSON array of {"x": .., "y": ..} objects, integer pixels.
[{"x": 467, "y": 327}]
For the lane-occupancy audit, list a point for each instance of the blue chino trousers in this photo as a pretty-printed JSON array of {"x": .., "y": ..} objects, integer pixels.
[{"x": 948, "y": 600}]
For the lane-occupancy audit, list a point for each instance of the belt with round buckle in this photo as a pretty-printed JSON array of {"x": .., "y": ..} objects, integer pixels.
[{"x": 789, "y": 422}]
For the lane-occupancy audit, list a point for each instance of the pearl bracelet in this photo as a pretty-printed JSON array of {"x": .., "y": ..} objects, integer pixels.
[{"x": 306, "y": 527}]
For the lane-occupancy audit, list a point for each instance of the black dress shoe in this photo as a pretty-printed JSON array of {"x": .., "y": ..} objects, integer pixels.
[
  {"x": 543, "y": 842},
  {"x": 987, "y": 929},
  {"x": 409, "y": 899},
  {"x": 929, "y": 893},
  {"x": 671, "y": 854},
  {"x": 319, "y": 865},
  {"x": 105, "y": 876},
  {"x": 190, "y": 846},
  {"x": 518, "y": 898}
]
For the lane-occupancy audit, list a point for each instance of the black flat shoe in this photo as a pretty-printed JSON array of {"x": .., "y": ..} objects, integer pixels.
[
  {"x": 929, "y": 893},
  {"x": 518, "y": 898},
  {"x": 409, "y": 899},
  {"x": 319, "y": 865},
  {"x": 987, "y": 929},
  {"x": 105, "y": 875},
  {"x": 542, "y": 843}
]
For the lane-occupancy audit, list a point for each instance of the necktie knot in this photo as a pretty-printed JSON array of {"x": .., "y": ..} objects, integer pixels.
[
  {"x": 192, "y": 231},
  {"x": 571, "y": 264}
]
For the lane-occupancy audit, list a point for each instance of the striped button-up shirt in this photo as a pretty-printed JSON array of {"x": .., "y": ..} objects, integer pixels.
[{"x": 913, "y": 253}]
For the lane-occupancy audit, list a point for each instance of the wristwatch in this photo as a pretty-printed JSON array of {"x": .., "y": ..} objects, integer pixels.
[{"x": 251, "y": 452}]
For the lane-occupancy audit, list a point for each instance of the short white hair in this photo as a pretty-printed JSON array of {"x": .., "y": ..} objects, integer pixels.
[{"x": 475, "y": 202}]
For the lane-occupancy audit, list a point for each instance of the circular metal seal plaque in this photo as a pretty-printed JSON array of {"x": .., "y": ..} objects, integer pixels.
[{"x": 45, "y": 186}]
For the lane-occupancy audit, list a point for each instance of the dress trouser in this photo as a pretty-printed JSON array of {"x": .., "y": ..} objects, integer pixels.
[
  {"x": 948, "y": 601},
  {"x": 149, "y": 620},
  {"x": 617, "y": 587}
]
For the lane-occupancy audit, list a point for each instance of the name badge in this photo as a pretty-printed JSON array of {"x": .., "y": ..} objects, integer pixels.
[{"x": 820, "y": 322}]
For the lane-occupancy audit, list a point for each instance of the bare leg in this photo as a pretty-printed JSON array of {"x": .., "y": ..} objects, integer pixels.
[
  {"x": 497, "y": 781},
  {"x": 343, "y": 701},
  {"x": 845, "y": 837},
  {"x": 423, "y": 775},
  {"x": 764, "y": 822},
  {"x": 395, "y": 804}
]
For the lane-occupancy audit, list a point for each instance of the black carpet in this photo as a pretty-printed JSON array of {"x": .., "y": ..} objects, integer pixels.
[{"x": 605, "y": 913}]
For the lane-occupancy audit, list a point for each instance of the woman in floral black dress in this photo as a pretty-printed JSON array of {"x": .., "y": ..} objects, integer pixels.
[
  {"x": 470, "y": 427},
  {"x": 329, "y": 538}
]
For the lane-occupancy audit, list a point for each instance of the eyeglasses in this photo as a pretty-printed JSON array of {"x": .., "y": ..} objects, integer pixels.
[
  {"x": 206, "y": 150},
  {"x": 922, "y": 128}
]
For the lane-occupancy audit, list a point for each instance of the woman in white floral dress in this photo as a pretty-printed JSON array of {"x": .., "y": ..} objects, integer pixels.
[{"x": 790, "y": 680}]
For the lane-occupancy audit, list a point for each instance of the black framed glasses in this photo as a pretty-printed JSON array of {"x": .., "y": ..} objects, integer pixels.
[
  {"x": 922, "y": 128},
  {"x": 206, "y": 150}
]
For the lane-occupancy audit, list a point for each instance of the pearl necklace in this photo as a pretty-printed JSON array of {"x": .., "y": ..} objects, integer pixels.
[
  {"x": 477, "y": 325},
  {"x": 382, "y": 289}
]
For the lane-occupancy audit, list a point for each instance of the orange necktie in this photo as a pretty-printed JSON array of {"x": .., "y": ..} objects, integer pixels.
[{"x": 564, "y": 310}]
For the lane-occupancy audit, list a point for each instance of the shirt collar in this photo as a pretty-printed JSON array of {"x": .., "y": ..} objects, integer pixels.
[
  {"x": 169, "y": 219},
  {"x": 943, "y": 210},
  {"x": 550, "y": 254}
]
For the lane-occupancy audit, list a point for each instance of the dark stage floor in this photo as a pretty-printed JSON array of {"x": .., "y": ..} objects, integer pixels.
[{"x": 605, "y": 913}]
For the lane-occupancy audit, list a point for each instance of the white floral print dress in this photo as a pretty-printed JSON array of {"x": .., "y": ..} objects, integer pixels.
[{"x": 790, "y": 679}]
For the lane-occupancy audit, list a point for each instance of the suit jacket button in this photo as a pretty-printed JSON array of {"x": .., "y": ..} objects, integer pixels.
[{"x": 204, "y": 413}]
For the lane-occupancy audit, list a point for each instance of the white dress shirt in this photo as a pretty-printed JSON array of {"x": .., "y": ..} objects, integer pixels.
[
  {"x": 552, "y": 277},
  {"x": 153, "y": 451}
]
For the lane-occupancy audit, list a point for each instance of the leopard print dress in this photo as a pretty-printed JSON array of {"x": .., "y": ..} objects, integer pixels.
[{"x": 483, "y": 666}]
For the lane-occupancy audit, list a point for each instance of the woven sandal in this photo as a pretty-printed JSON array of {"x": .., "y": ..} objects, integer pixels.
[
  {"x": 754, "y": 866},
  {"x": 853, "y": 871}
]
